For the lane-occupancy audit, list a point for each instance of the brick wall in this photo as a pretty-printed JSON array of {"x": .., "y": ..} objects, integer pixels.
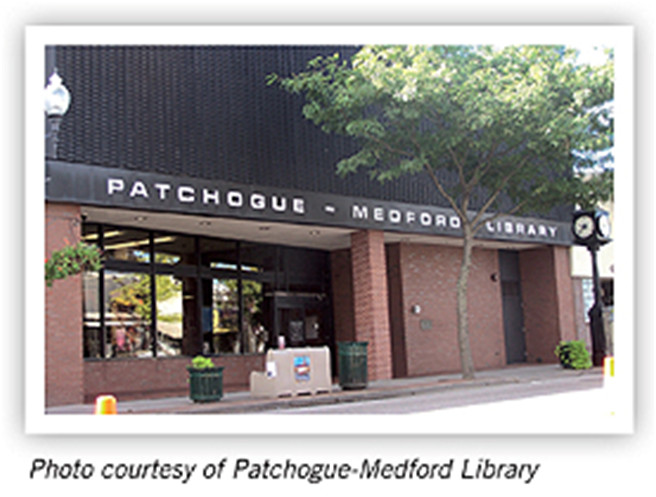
[
  {"x": 63, "y": 313},
  {"x": 548, "y": 297},
  {"x": 429, "y": 276},
  {"x": 370, "y": 300},
  {"x": 139, "y": 378},
  {"x": 564, "y": 293},
  {"x": 400, "y": 343}
]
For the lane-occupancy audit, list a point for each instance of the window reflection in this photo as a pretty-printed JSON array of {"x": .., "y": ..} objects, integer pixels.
[
  {"x": 219, "y": 254},
  {"x": 211, "y": 296},
  {"x": 92, "y": 342},
  {"x": 127, "y": 245},
  {"x": 256, "y": 324},
  {"x": 174, "y": 249},
  {"x": 127, "y": 314},
  {"x": 170, "y": 312},
  {"x": 222, "y": 336}
]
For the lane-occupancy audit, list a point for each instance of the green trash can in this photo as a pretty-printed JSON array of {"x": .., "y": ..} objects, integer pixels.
[
  {"x": 206, "y": 384},
  {"x": 352, "y": 365}
]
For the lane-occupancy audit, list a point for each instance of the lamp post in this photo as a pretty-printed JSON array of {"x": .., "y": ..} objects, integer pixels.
[
  {"x": 57, "y": 99},
  {"x": 592, "y": 230}
]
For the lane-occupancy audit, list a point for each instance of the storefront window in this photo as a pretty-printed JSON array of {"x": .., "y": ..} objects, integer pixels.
[
  {"x": 256, "y": 317},
  {"x": 128, "y": 321},
  {"x": 127, "y": 245},
  {"x": 224, "y": 336},
  {"x": 165, "y": 295},
  {"x": 219, "y": 254},
  {"x": 91, "y": 233},
  {"x": 91, "y": 319},
  {"x": 259, "y": 261},
  {"x": 170, "y": 315},
  {"x": 174, "y": 250}
]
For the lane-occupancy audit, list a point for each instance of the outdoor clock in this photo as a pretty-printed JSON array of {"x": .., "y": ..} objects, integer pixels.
[
  {"x": 584, "y": 226},
  {"x": 591, "y": 227},
  {"x": 603, "y": 225}
]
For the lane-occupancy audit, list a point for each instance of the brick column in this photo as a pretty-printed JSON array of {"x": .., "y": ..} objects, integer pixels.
[
  {"x": 370, "y": 300},
  {"x": 63, "y": 314}
]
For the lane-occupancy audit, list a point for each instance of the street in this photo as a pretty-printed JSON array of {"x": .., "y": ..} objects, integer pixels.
[{"x": 446, "y": 398}]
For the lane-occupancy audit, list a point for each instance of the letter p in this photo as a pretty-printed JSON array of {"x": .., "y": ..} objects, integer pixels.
[
  {"x": 115, "y": 185},
  {"x": 37, "y": 465}
]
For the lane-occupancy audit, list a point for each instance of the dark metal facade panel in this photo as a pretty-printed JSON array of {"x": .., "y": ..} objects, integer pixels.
[{"x": 206, "y": 112}]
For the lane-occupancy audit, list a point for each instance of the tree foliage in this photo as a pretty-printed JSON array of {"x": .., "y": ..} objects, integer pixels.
[
  {"x": 511, "y": 122},
  {"x": 497, "y": 130}
]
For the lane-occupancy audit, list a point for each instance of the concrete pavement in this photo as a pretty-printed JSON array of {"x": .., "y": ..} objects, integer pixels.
[{"x": 243, "y": 402}]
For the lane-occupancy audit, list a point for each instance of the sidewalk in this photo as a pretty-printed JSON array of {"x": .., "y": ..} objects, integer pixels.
[{"x": 243, "y": 402}]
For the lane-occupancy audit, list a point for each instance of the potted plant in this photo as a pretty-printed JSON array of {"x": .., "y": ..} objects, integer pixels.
[
  {"x": 205, "y": 380},
  {"x": 573, "y": 354}
]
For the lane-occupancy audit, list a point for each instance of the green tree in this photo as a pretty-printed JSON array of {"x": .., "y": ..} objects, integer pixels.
[
  {"x": 498, "y": 131},
  {"x": 134, "y": 293}
]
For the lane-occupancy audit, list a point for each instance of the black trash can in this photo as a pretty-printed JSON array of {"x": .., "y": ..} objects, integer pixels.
[{"x": 352, "y": 365}]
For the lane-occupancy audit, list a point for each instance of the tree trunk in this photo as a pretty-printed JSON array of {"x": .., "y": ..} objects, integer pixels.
[{"x": 466, "y": 360}]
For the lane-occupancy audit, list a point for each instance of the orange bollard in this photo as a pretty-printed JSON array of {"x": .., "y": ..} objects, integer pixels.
[{"x": 105, "y": 404}]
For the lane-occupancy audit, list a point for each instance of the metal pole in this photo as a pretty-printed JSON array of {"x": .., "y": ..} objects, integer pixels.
[{"x": 596, "y": 316}]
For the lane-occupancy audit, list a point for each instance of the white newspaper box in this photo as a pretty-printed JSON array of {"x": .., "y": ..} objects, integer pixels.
[{"x": 293, "y": 371}]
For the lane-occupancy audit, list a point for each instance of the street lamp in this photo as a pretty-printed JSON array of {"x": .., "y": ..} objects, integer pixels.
[{"x": 57, "y": 98}]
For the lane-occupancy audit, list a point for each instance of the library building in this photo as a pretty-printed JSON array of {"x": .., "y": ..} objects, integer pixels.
[{"x": 226, "y": 232}]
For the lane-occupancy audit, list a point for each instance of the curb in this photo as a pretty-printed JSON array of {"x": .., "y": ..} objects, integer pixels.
[
  {"x": 377, "y": 390},
  {"x": 336, "y": 397}
]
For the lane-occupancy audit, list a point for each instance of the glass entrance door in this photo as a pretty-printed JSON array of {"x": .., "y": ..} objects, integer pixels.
[{"x": 303, "y": 323}]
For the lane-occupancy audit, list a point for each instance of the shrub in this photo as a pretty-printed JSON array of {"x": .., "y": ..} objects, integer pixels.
[
  {"x": 201, "y": 362},
  {"x": 573, "y": 355}
]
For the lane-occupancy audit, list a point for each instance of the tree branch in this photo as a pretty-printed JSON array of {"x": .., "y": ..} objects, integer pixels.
[
  {"x": 480, "y": 171},
  {"x": 495, "y": 194},
  {"x": 510, "y": 212},
  {"x": 462, "y": 214},
  {"x": 461, "y": 211},
  {"x": 461, "y": 171}
]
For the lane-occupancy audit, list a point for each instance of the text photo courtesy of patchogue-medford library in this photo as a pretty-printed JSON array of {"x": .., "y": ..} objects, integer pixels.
[{"x": 226, "y": 200}]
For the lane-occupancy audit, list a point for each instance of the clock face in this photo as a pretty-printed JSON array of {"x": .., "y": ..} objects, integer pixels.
[
  {"x": 603, "y": 225},
  {"x": 584, "y": 227}
]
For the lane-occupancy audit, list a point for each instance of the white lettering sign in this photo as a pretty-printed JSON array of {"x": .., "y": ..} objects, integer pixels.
[
  {"x": 521, "y": 228},
  {"x": 258, "y": 202},
  {"x": 211, "y": 196},
  {"x": 163, "y": 189},
  {"x": 298, "y": 205},
  {"x": 138, "y": 189},
  {"x": 115, "y": 185},
  {"x": 358, "y": 213},
  {"x": 186, "y": 194}
]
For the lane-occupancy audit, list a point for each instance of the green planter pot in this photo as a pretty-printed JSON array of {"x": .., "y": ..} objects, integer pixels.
[{"x": 205, "y": 385}]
